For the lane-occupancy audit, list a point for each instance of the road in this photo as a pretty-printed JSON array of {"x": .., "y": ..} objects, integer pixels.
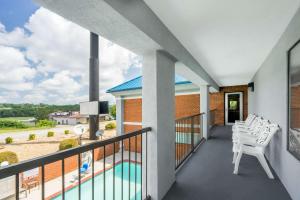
[
  {"x": 59, "y": 129},
  {"x": 43, "y": 132}
]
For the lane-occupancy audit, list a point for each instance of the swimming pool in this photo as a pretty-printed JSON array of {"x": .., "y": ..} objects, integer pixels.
[{"x": 86, "y": 187}]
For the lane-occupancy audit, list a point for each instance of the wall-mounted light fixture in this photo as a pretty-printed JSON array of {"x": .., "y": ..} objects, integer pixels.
[{"x": 251, "y": 86}]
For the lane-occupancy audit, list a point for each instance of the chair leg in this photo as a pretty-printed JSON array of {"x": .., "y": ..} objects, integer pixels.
[
  {"x": 261, "y": 158},
  {"x": 237, "y": 162},
  {"x": 234, "y": 157}
]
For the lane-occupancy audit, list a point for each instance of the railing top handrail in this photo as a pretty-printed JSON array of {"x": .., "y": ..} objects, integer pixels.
[
  {"x": 187, "y": 117},
  {"x": 50, "y": 158}
]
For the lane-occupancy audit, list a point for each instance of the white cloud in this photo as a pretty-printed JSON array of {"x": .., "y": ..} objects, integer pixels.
[
  {"x": 15, "y": 38},
  {"x": 59, "y": 52},
  {"x": 16, "y": 74},
  {"x": 61, "y": 83}
]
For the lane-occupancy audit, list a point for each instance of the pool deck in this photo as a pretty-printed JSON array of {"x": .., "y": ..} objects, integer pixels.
[
  {"x": 208, "y": 175},
  {"x": 54, "y": 186}
]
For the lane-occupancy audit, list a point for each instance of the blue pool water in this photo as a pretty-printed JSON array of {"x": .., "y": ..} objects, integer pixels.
[{"x": 86, "y": 187}]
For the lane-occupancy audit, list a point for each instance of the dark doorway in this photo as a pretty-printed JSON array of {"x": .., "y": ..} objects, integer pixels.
[{"x": 233, "y": 107}]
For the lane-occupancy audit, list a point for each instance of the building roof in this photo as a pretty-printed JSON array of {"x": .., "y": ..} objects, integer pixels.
[{"x": 136, "y": 83}]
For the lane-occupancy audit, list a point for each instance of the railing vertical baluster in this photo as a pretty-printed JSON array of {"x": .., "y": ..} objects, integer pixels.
[
  {"x": 184, "y": 136},
  {"x": 93, "y": 174},
  {"x": 17, "y": 187},
  {"x": 175, "y": 144},
  {"x": 138, "y": 177},
  {"x": 63, "y": 178},
  {"x": 122, "y": 175},
  {"x": 141, "y": 166},
  {"x": 135, "y": 173},
  {"x": 192, "y": 131},
  {"x": 146, "y": 164},
  {"x": 43, "y": 182},
  {"x": 104, "y": 172},
  {"x": 179, "y": 141},
  {"x": 79, "y": 176},
  {"x": 188, "y": 134},
  {"x": 129, "y": 179},
  {"x": 114, "y": 173}
]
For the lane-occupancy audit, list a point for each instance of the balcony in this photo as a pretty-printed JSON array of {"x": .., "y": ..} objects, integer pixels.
[
  {"x": 232, "y": 52},
  {"x": 208, "y": 174}
]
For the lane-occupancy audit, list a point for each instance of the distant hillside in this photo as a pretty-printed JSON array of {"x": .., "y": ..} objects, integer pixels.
[{"x": 39, "y": 111}]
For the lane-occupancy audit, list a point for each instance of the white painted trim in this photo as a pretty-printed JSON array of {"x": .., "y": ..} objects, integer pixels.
[
  {"x": 226, "y": 106},
  {"x": 189, "y": 88},
  {"x": 137, "y": 97},
  {"x": 133, "y": 123},
  {"x": 176, "y": 94},
  {"x": 186, "y": 93}
]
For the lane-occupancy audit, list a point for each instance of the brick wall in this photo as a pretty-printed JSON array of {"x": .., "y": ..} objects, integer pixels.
[
  {"x": 133, "y": 141},
  {"x": 53, "y": 170},
  {"x": 217, "y": 101},
  {"x": 186, "y": 105},
  {"x": 133, "y": 110}
]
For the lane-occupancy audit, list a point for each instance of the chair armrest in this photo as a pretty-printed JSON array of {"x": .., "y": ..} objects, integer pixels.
[{"x": 247, "y": 141}]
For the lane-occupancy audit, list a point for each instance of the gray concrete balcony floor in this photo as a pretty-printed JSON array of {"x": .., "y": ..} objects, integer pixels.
[{"x": 208, "y": 175}]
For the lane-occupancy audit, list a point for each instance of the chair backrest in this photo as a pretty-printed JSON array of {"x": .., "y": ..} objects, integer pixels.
[
  {"x": 249, "y": 119},
  {"x": 260, "y": 127},
  {"x": 85, "y": 166},
  {"x": 265, "y": 137},
  {"x": 255, "y": 122}
]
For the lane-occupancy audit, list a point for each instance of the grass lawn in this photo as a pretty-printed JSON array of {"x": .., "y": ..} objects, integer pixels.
[
  {"x": 6, "y": 130},
  {"x": 15, "y": 118}
]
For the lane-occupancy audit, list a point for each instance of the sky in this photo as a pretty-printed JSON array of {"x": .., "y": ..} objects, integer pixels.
[{"x": 39, "y": 64}]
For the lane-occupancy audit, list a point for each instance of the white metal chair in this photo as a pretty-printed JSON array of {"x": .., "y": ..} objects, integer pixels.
[{"x": 255, "y": 146}]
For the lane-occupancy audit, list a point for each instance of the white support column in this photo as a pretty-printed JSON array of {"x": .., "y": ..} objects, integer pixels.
[
  {"x": 120, "y": 115},
  {"x": 204, "y": 108},
  {"x": 158, "y": 113}
]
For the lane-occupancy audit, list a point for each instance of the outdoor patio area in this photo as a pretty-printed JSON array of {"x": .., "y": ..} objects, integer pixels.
[{"x": 208, "y": 174}]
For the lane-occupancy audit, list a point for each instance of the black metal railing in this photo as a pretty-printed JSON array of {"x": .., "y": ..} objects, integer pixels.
[
  {"x": 189, "y": 134},
  {"x": 115, "y": 171}
]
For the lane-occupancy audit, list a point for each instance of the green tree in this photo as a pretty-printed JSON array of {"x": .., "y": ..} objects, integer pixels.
[
  {"x": 42, "y": 113},
  {"x": 113, "y": 110}
]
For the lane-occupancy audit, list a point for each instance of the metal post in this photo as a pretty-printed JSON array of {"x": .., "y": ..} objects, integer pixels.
[
  {"x": 94, "y": 82},
  {"x": 192, "y": 133}
]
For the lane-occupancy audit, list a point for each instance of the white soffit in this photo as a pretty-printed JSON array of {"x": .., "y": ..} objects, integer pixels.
[{"x": 231, "y": 39}]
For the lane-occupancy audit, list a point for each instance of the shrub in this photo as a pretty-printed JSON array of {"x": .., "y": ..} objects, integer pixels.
[
  {"x": 31, "y": 137},
  {"x": 9, "y": 156},
  {"x": 68, "y": 143},
  {"x": 67, "y": 132},
  {"x": 110, "y": 125},
  {"x": 6, "y": 123},
  {"x": 50, "y": 134},
  {"x": 46, "y": 123},
  {"x": 9, "y": 140}
]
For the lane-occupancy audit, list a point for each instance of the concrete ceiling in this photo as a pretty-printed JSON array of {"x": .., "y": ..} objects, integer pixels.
[{"x": 230, "y": 39}]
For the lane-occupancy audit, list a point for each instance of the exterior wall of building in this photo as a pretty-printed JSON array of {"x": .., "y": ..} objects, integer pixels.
[
  {"x": 186, "y": 105},
  {"x": 217, "y": 101},
  {"x": 270, "y": 100},
  {"x": 65, "y": 120},
  {"x": 53, "y": 170}
]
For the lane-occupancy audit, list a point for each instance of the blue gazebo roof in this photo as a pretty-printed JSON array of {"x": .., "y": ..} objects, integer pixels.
[{"x": 136, "y": 83}]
